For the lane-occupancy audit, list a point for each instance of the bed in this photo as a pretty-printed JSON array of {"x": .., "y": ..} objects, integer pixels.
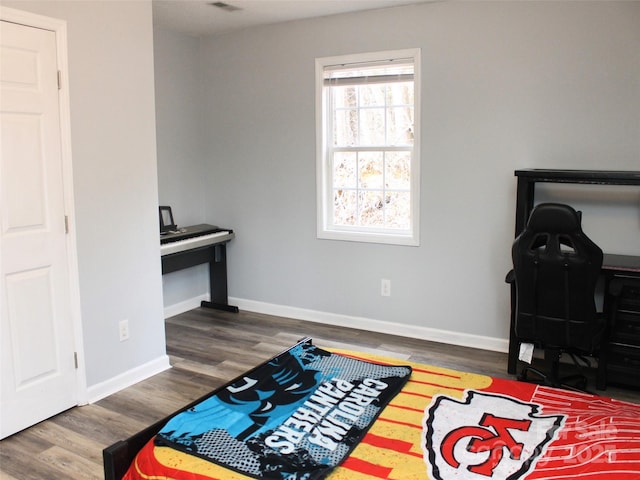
[{"x": 311, "y": 413}]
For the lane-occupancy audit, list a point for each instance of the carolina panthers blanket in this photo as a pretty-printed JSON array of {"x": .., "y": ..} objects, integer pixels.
[{"x": 296, "y": 417}]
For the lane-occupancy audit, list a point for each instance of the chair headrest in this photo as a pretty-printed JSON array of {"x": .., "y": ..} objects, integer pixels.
[{"x": 554, "y": 217}]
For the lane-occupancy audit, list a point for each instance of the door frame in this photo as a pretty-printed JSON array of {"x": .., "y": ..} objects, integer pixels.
[{"x": 59, "y": 27}]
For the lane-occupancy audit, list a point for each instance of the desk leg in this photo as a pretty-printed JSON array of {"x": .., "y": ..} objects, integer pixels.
[
  {"x": 512, "y": 359},
  {"x": 524, "y": 204},
  {"x": 218, "y": 281}
]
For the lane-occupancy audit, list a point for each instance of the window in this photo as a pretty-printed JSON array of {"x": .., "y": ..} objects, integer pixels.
[{"x": 368, "y": 147}]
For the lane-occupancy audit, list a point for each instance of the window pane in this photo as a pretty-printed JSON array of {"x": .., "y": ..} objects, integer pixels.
[
  {"x": 397, "y": 210},
  {"x": 372, "y": 95},
  {"x": 372, "y": 126},
  {"x": 400, "y": 93},
  {"x": 344, "y": 97},
  {"x": 400, "y": 126},
  {"x": 345, "y": 127},
  {"x": 397, "y": 172},
  {"x": 344, "y": 170},
  {"x": 370, "y": 170},
  {"x": 344, "y": 207},
  {"x": 371, "y": 210}
]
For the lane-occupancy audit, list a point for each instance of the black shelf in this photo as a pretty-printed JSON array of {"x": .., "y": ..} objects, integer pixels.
[{"x": 597, "y": 177}]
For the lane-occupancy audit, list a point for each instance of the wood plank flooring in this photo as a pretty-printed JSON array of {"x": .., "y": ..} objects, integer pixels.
[{"x": 207, "y": 349}]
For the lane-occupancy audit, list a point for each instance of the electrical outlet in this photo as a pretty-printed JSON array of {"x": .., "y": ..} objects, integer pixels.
[
  {"x": 123, "y": 330},
  {"x": 385, "y": 287}
]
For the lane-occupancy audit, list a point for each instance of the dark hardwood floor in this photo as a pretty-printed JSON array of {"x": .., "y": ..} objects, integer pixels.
[{"x": 207, "y": 349}]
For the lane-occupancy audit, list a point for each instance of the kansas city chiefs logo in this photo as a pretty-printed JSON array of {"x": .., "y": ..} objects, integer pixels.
[{"x": 485, "y": 436}]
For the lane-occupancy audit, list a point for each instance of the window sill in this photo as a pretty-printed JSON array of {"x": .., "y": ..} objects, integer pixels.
[{"x": 382, "y": 238}]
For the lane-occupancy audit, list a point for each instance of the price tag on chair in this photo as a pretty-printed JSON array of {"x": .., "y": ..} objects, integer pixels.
[{"x": 526, "y": 352}]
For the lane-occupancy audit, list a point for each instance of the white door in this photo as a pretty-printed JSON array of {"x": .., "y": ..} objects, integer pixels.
[{"x": 38, "y": 372}]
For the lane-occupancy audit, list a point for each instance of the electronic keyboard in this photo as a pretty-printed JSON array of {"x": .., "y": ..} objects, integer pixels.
[{"x": 196, "y": 236}]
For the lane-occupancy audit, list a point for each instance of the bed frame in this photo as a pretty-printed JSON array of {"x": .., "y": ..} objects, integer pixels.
[{"x": 118, "y": 457}]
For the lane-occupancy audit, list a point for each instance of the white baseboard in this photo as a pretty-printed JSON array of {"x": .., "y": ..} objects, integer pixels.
[
  {"x": 184, "y": 306},
  {"x": 361, "y": 323},
  {"x": 379, "y": 326},
  {"x": 128, "y": 378}
]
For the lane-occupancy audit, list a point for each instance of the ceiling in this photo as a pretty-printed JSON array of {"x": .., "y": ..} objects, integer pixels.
[{"x": 200, "y": 17}]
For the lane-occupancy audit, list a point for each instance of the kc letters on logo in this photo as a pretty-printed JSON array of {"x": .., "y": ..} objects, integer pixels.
[{"x": 485, "y": 436}]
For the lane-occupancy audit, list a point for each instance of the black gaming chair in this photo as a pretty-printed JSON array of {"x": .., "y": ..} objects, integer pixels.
[{"x": 556, "y": 268}]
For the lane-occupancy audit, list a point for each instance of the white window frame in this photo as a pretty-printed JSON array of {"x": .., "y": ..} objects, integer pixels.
[{"x": 324, "y": 186}]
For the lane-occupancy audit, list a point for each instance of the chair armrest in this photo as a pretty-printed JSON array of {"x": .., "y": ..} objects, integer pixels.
[{"x": 511, "y": 277}]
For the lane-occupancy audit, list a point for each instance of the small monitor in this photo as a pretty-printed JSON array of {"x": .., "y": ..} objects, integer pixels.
[{"x": 166, "y": 220}]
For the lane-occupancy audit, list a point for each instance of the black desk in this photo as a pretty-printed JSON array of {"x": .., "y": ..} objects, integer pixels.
[
  {"x": 197, "y": 250},
  {"x": 621, "y": 353},
  {"x": 621, "y": 264},
  {"x": 527, "y": 179}
]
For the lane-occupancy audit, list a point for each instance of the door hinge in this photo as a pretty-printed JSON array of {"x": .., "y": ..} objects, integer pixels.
[
  {"x": 59, "y": 80},
  {"x": 75, "y": 359},
  {"x": 66, "y": 224}
]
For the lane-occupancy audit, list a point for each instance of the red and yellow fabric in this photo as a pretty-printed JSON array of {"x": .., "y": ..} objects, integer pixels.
[{"x": 600, "y": 437}]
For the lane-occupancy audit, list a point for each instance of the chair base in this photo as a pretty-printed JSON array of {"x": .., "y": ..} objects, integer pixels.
[{"x": 577, "y": 382}]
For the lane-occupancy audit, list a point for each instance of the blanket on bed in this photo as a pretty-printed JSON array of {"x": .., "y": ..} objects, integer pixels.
[
  {"x": 296, "y": 417},
  {"x": 446, "y": 424}
]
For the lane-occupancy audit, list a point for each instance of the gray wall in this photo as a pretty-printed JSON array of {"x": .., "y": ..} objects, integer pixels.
[
  {"x": 115, "y": 179},
  {"x": 182, "y": 161},
  {"x": 506, "y": 85}
]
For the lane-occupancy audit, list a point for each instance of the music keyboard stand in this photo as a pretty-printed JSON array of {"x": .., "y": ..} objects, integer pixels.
[{"x": 215, "y": 254}]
